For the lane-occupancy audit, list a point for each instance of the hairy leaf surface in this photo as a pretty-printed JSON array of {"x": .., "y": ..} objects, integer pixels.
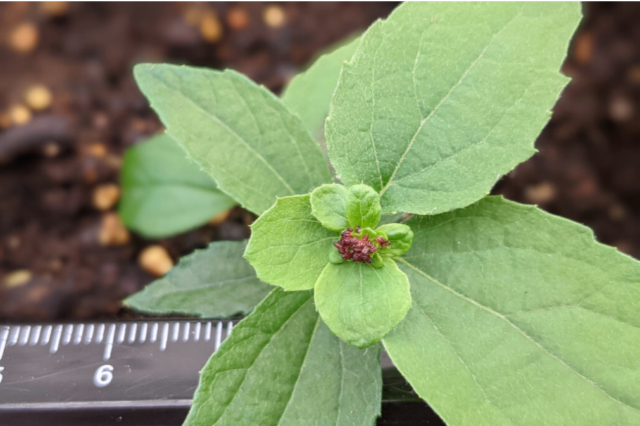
[
  {"x": 361, "y": 303},
  {"x": 215, "y": 282},
  {"x": 442, "y": 99},
  {"x": 519, "y": 318},
  {"x": 363, "y": 207},
  {"x": 329, "y": 206},
  {"x": 289, "y": 247},
  {"x": 238, "y": 132},
  {"x": 165, "y": 194},
  {"x": 283, "y": 366}
]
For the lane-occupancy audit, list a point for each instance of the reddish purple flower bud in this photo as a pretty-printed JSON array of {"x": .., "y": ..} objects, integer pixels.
[
  {"x": 382, "y": 242},
  {"x": 358, "y": 249}
]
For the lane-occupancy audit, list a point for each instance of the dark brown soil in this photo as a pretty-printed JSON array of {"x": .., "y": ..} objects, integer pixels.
[{"x": 588, "y": 168}]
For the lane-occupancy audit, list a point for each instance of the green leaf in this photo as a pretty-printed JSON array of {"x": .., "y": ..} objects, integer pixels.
[
  {"x": 163, "y": 193},
  {"x": 309, "y": 93},
  {"x": 400, "y": 238},
  {"x": 329, "y": 206},
  {"x": 282, "y": 366},
  {"x": 442, "y": 99},
  {"x": 237, "y": 131},
  {"x": 215, "y": 282},
  {"x": 360, "y": 303},
  {"x": 519, "y": 318},
  {"x": 289, "y": 247},
  {"x": 363, "y": 207}
]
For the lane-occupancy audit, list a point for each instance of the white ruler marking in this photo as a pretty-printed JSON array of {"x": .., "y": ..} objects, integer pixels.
[
  {"x": 229, "y": 328},
  {"x": 122, "y": 332},
  {"x": 100, "y": 335},
  {"x": 13, "y": 337},
  {"x": 165, "y": 335},
  {"x": 218, "y": 335},
  {"x": 79, "y": 332},
  {"x": 55, "y": 343},
  {"x": 89, "y": 336},
  {"x": 68, "y": 332},
  {"x": 154, "y": 332},
  {"x": 143, "y": 332},
  {"x": 109, "y": 346},
  {"x": 35, "y": 337},
  {"x": 207, "y": 332},
  {"x": 176, "y": 332},
  {"x": 24, "y": 336},
  {"x": 132, "y": 332},
  {"x": 187, "y": 329},
  {"x": 47, "y": 335},
  {"x": 196, "y": 332},
  {"x": 4, "y": 335}
]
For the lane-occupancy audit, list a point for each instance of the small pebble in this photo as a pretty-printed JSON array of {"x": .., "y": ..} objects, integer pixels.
[
  {"x": 237, "y": 18},
  {"x": 24, "y": 38},
  {"x": 112, "y": 231},
  {"x": 583, "y": 47},
  {"x": 19, "y": 114},
  {"x": 210, "y": 27},
  {"x": 155, "y": 260},
  {"x": 96, "y": 149},
  {"x": 17, "y": 278},
  {"x": 54, "y": 9},
  {"x": 106, "y": 196},
  {"x": 540, "y": 194},
  {"x": 51, "y": 150},
  {"x": 274, "y": 16},
  {"x": 38, "y": 97}
]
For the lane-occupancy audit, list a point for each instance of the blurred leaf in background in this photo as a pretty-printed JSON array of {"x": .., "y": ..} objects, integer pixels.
[{"x": 164, "y": 193}]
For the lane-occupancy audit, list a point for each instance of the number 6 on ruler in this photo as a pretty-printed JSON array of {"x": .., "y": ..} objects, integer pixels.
[{"x": 103, "y": 376}]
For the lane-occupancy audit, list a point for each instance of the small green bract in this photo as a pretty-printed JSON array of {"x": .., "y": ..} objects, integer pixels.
[{"x": 496, "y": 313}]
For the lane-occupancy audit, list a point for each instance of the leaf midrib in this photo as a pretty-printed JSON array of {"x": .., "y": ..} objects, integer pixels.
[
  {"x": 231, "y": 131},
  {"x": 442, "y": 101},
  {"x": 515, "y": 327}
]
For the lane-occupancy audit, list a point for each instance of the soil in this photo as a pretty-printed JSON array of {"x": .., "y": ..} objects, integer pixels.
[{"x": 588, "y": 167}]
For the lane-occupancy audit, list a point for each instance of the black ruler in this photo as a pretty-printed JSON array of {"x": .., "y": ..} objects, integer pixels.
[{"x": 129, "y": 373}]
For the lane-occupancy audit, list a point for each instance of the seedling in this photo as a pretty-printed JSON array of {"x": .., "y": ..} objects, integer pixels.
[{"x": 497, "y": 313}]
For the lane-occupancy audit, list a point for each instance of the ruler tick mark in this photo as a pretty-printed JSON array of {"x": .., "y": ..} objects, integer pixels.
[
  {"x": 100, "y": 336},
  {"x": 176, "y": 332},
  {"x": 229, "y": 328},
  {"x": 143, "y": 333},
  {"x": 24, "y": 336},
  {"x": 132, "y": 333},
  {"x": 4, "y": 335},
  {"x": 165, "y": 335},
  {"x": 47, "y": 335},
  {"x": 207, "y": 332},
  {"x": 109, "y": 346},
  {"x": 122, "y": 332},
  {"x": 89, "y": 336},
  {"x": 55, "y": 343},
  {"x": 218, "y": 335},
  {"x": 13, "y": 337},
  {"x": 154, "y": 332},
  {"x": 196, "y": 332},
  {"x": 36, "y": 335},
  {"x": 78, "y": 337},
  {"x": 68, "y": 332},
  {"x": 187, "y": 329}
]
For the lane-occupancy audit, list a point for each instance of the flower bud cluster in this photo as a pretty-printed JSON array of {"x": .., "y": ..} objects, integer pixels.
[{"x": 358, "y": 249}]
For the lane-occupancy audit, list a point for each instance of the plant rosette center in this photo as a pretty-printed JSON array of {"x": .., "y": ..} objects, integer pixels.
[{"x": 330, "y": 241}]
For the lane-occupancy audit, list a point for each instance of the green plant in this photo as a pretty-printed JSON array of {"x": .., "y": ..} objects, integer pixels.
[{"x": 496, "y": 313}]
